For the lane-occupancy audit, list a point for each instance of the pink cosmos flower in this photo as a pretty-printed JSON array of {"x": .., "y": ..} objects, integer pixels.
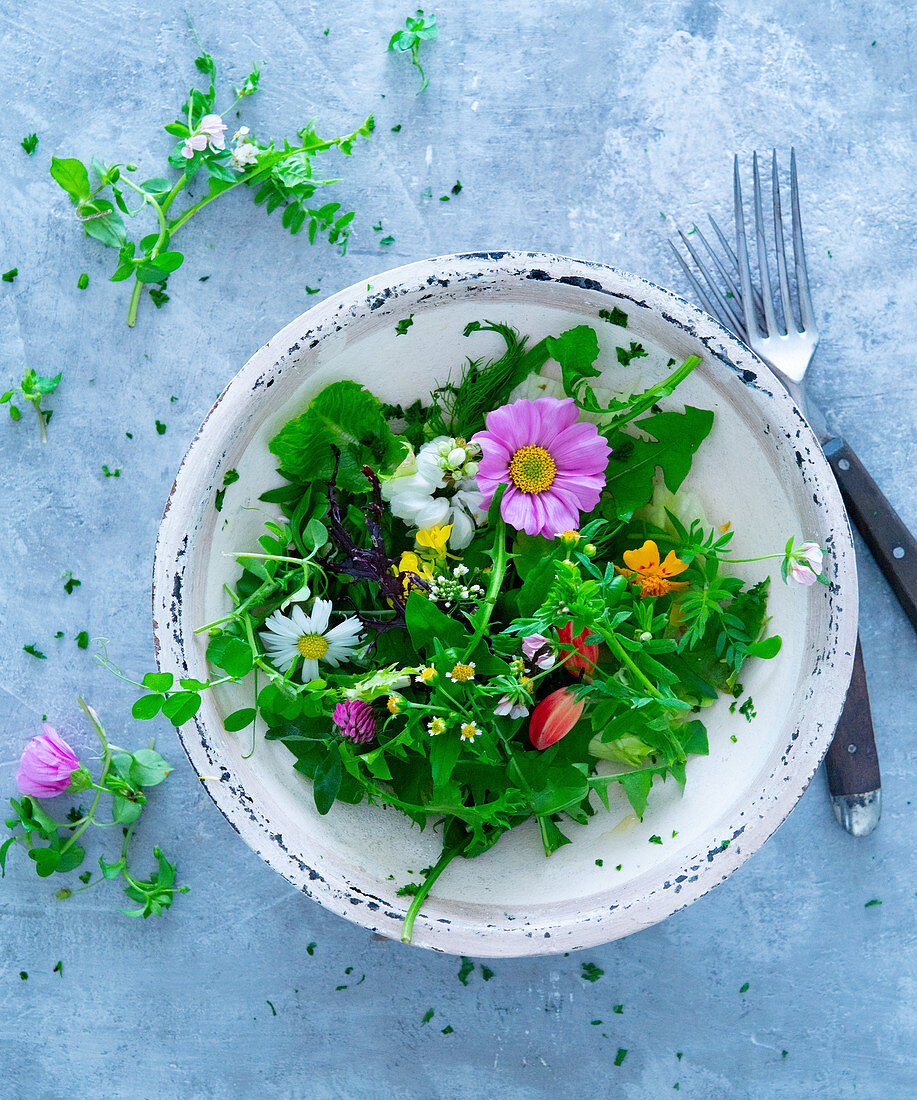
[
  {"x": 209, "y": 132},
  {"x": 536, "y": 648},
  {"x": 47, "y": 766},
  {"x": 553, "y": 467},
  {"x": 806, "y": 563},
  {"x": 355, "y": 720}
]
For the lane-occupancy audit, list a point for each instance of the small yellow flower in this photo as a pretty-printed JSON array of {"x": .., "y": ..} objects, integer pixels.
[
  {"x": 432, "y": 541},
  {"x": 653, "y": 576},
  {"x": 527, "y": 684},
  {"x": 461, "y": 673},
  {"x": 394, "y": 704},
  {"x": 436, "y": 726},
  {"x": 469, "y": 731},
  {"x": 428, "y": 674},
  {"x": 412, "y": 564},
  {"x": 569, "y": 538}
]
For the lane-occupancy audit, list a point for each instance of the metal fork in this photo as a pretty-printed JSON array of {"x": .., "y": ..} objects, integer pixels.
[{"x": 787, "y": 347}]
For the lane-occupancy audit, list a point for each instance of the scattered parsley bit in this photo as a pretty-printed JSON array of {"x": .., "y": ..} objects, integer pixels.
[
  {"x": 674, "y": 832},
  {"x": 679, "y": 1054},
  {"x": 600, "y": 863},
  {"x": 203, "y": 278},
  {"x": 70, "y": 582},
  {"x": 744, "y": 987},
  {"x": 130, "y": 435},
  {"x": 23, "y": 975},
  {"x": 636, "y": 351},
  {"x": 386, "y": 241},
  {"x": 82, "y": 282},
  {"x": 59, "y": 634},
  {"x": 784, "y": 1053},
  {"x": 396, "y": 129},
  {"x": 655, "y": 839},
  {"x": 338, "y": 988},
  {"x": 274, "y": 1010},
  {"x": 614, "y": 317},
  {"x": 326, "y": 31},
  {"x": 486, "y": 973},
  {"x": 595, "y": 1023},
  {"x": 457, "y": 187},
  {"x": 116, "y": 472},
  {"x": 464, "y": 970},
  {"x": 313, "y": 289},
  {"x": 35, "y": 651},
  {"x": 310, "y": 948},
  {"x": 620, "y": 1056},
  {"x": 748, "y": 709},
  {"x": 8, "y": 276},
  {"x": 445, "y": 198},
  {"x": 229, "y": 478},
  {"x": 85, "y": 876},
  {"x": 160, "y": 427},
  {"x": 402, "y": 327},
  {"x": 448, "y": 1029},
  {"x": 59, "y": 968},
  {"x": 732, "y": 736},
  {"x": 427, "y": 1016},
  {"x": 172, "y": 399},
  {"x": 82, "y": 639},
  {"x": 591, "y": 972},
  {"x": 875, "y": 901},
  {"x": 158, "y": 294},
  {"x": 409, "y": 890},
  {"x": 619, "y": 1009},
  {"x": 30, "y": 142}
]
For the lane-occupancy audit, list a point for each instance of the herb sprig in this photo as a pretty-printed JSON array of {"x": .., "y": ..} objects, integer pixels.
[{"x": 418, "y": 28}]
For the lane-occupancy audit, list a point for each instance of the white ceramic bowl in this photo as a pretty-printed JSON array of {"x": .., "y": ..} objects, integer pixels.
[{"x": 761, "y": 469}]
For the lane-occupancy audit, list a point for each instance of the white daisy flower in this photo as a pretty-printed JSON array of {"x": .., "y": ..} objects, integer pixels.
[
  {"x": 243, "y": 155},
  {"x": 437, "y": 487},
  {"x": 288, "y": 637}
]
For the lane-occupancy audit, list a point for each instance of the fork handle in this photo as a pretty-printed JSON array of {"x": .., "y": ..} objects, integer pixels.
[{"x": 890, "y": 542}]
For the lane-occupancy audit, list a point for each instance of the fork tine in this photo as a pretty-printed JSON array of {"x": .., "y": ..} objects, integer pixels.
[
  {"x": 770, "y": 320},
  {"x": 799, "y": 252},
  {"x": 726, "y": 308},
  {"x": 728, "y": 249},
  {"x": 751, "y": 328},
  {"x": 789, "y": 320},
  {"x": 709, "y": 305},
  {"x": 721, "y": 267}
]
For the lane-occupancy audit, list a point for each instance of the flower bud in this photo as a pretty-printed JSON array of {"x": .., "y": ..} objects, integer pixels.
[
  {"x": 355, "y": 720},
  {"x": 553, "y": 718}
]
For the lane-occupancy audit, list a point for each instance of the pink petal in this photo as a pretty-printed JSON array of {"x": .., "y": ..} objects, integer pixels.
[
  {"x": 581, "y": 450},
  {"x": 516, "y": 509},
  {"x": 554, "y": 416}
]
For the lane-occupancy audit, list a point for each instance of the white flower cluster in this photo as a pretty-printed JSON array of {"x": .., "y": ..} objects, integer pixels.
[
  {"x": 449, "y": 590},
  {"x": 245, "y": 152},
  {"x": 437, "y": 487}
]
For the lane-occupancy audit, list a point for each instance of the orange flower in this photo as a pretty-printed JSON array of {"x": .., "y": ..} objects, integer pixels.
[{"x": 653, "y": 576}]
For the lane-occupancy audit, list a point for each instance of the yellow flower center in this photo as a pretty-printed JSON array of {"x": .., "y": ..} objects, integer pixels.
[
  {"x": 428, "y": 674},
  {"x": 463, "y": 672},
  {"x": 532, "y": 470},
  {"x": 437, "y": 725},
  {"x": 469, "y": 731},
  {"x": 312, "y": 646},
  {"x": 652, "y": 585},
  {"x": 394, "y": 704}
]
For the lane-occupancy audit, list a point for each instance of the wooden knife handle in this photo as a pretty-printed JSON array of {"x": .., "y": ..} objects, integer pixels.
[
  {"x": 890, "y": 542},
  {"x": 852, "y": 764}
]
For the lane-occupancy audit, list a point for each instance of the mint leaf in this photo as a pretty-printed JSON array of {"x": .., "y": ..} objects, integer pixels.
[{"x": 71, "y": 174}]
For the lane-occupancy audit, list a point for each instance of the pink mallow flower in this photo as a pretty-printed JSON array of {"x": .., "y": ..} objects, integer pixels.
[
  {"x": 355, "y": 721},
  {"x": 553, "y": 467},
  {"x": 209, "y": 132},
  {"x": 49, "y": 767},
  {"x": 537, "y": 650},
  {"x": 807, "y": 562}
]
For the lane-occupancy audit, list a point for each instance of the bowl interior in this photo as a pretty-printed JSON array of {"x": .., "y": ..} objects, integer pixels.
[{"x": 759, "y": 471}]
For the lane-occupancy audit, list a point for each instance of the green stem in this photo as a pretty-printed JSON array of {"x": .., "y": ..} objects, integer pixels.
[
  {"x": 501, "y": 560},
  {"x": 441, "y": 864},
  {"x": 624, "y": 657},
  {"x": 106, "y": 764},
  {"x": 134, "y": 302},
  {"x": 41, "y": 421}
]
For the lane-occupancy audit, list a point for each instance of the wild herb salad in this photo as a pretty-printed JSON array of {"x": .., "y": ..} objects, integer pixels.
[{"x": 474, "y": 603}]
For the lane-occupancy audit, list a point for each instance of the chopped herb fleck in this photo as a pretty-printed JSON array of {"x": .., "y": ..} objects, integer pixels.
[
  {"x": 111, "y": 473},
  {"x": 591, "y": 972},
  {"x": 784, "y": 1053},
  {"x": 82, "y": 639},
  {"x": 23, "y": 975},
  {"x": 59, "y": 968},
  {"x": 396, "y": 129},
  {"x": 8, "y": 276},
  {"x": 457, "y": 187},
  {"x": 160, "y": 427},
  {"x": 35, "y": 651},
  {"x": 203, "y": 278},
  {"x": 448, "y": 1029},
  {"x": 158, "y": 294},
  {"x": 618, "y": 868},
  {"x": 130, "y": 435},
  {"x": 310, "y": 948},
  {"x": 59, "y": 634},
  {"x": 655, "y": 839},
  {"x": 595, "y": 1023},
  {"x": 386, "y": 241},
  {"x": 70, "y": 582},
  {"x": 85, "y": 876},
  {"x": 748, "y": 709},
  {"x": 465, "y": 970},
  {"x": 620, "y": 1056},
  {"x": 619, "y": 1009},
  {"x": 403, "y": 325},
  {"x": 600, "y": 863},
  {"x": 614, "y": 317},
  {"x": 313, "y": 289},
  {"x": 732, "y": 736},
  {"x": 274, "y": 1010},
  {"x": 30, "y": 143},
  {"x": 679, "y": 1054},
  {"x": 82, "y": 282},
  {"x": 744, "y": 987},
  {"x": 486, "y": 973},
  {"x": 875, "y": 901},
  {"x": 427, "y": 1016},
  {"x": 635, "y": 351}
]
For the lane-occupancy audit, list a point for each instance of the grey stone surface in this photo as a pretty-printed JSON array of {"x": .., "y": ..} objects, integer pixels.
[{"x": 579, "y": 127}]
